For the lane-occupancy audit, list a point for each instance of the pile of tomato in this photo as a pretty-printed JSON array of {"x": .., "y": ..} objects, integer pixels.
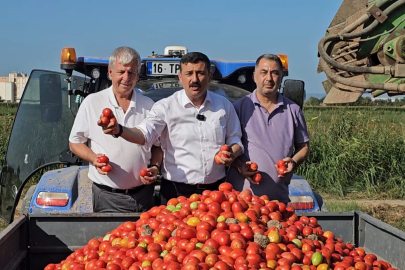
[{"x": 220, "y": 230}]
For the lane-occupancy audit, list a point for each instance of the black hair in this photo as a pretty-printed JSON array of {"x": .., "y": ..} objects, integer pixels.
[
  {"x": 271, "y": 57},
  {"x": 194, "y": 58}
]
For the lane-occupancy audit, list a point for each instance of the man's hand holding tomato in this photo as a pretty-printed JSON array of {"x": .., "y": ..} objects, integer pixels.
[
  {"x": 245, "y": 169},
  {"x": 148, "y": 176},
  {"x": 288, "y": 167},
  {"x": 100, "y": 161},
  {"x": 225, "y": 156}
]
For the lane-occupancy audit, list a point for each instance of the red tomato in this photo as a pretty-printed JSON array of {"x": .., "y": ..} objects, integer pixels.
[
  {"x": 107, "y": 112},
  {"x": 225, "y": 187},
  {"x": 50, "y": 266},
  {"x": 113, "y": 266},
  {"x": 223, "y": 239},
  {"x": 107, "y": 168},
  {"x": 103, "y": 159},
  {"x": 257, "y": 177},
  {"x": 113, "y": 120},
  {"x": 145, "y": 172},
  {"x": 280, "y": 163},
  {"x": 281, "y": 170},
  {"x": 253, "y": 167},
  {"x": 225, "y": 148},
  {"x": 218, "y": 160},
  {"x": 104, "y": 120}
]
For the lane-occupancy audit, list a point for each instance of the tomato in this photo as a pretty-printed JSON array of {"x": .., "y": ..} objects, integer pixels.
[
  {"x": 113, "y": 266},
  {"x": 212, "y": 243},
  {"x": 253, "y": 260},
  {"x": 281, "y": 170},
  {"x": 223, "y": 239},
  {"x": 307, "y": 231},
  {"x": 50, "y": 266},
  {"x": 103, "y": 159},
  {"x": 188, "y": 234},
  {"x": 221, "y": 265},
  {"x": 217, "y": 196},
  {"x": 253, "y": 167},
  {"x": 107, "y": 112},
  {"x": 225, "y": 148},
  {"x": 211, "y": 260},
  {"x": 104, "y": 121},
  {"x": 316, "y": 258},
  {"x": 225, "y": 187},
  {"x": 113, "y": 120},
  {"x": 145, "y": 172},
  {"x": 107, "y": 168},
  {"x": 237, "y": 207},
  {"x": 218, "y": 160},
  {"x": 93, "y": 244},
  {"x": 257, "y": 177},
  {"x": 129, "y": 226},
  {"x": 281, "y": 163}
]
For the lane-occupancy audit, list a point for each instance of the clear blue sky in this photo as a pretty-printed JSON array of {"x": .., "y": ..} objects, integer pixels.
[{"x": 34, "y": 32}]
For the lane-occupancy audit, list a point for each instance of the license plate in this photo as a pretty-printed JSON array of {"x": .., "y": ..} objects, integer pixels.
[
  {"x": 159, "y": 68},
  {"x": 165, "y": 85}
]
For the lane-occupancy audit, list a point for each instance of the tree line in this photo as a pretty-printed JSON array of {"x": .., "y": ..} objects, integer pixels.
[{"x": 362, "y": 101}]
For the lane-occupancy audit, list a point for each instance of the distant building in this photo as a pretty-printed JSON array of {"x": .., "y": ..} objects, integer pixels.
[{"x": 18, "y": 80}]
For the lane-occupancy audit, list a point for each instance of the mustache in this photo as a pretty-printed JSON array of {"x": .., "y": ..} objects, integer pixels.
[{"x": 195, "y": 84}]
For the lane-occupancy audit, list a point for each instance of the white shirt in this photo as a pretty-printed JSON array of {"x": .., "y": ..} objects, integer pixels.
[
  {"x": 127, "y": 159},
  {"x": 190, "y": 145}
]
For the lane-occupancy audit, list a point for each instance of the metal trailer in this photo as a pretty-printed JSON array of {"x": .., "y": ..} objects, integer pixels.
[{"x": 35, "y": 241}]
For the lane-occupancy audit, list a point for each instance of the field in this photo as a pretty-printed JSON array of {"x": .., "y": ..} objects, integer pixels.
[{"x": 357, "y": 158}]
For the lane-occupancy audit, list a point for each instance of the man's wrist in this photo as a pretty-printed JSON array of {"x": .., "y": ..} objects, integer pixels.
[
  {"x": 294, "y": 163},
  {"x": 120, "y": 131},
  {"x": 153, "y": 165}
]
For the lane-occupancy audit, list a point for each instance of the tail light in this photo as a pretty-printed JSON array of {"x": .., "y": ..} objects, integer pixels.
[
  {"x": 301, "y": 202},
  {"x": 52, "y": 199}
]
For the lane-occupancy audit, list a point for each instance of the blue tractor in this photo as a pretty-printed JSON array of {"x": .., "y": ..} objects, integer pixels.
[{"x": 39, "y": 137}]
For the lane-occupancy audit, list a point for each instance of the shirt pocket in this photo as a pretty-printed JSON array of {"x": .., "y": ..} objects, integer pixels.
[{"x": 219, "y": 131}]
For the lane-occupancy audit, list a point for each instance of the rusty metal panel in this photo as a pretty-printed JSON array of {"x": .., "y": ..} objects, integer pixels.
[
  {"x": 378, "y": 14},
  {"x": 336, "y": 96},
  {"x": 347, "y": 9}
]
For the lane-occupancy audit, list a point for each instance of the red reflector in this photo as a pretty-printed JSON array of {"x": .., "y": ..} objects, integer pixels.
[
  {"x": 52, "y": 202},
  {"x": 301, "y": 205}
]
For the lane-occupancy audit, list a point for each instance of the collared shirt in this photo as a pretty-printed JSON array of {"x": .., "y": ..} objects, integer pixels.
[
  {"x": 267, "y": 138},
  {"x": 190, "y": 145},
  {"x": 127, "y": 159}
]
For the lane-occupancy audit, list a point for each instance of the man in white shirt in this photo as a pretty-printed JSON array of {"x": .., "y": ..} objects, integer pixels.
[
  {"x": 192, "y": 124},
  {"x": 122, "y": 189}
]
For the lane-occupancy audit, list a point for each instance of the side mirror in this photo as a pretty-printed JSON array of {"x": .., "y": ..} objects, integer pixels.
[
  {"x": 294, "y": 90},
  {"x": 50, "y": 91}
]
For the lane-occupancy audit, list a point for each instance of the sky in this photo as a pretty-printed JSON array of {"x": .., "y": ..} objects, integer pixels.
[{"x": 34, "y": 32}]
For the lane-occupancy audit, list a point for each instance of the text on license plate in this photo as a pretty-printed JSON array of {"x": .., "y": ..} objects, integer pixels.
[{"x": 162, "y": 68}]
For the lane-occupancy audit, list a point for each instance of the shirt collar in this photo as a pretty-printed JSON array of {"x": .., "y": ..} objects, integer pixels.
[
  {"x": 114, "y": 102},
  {"x": 184, "y": 100},
  {"x": 280, "y": 100}
]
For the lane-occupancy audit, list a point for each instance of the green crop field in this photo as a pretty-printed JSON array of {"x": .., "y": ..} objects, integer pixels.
[{"x": 356, "y": 150}]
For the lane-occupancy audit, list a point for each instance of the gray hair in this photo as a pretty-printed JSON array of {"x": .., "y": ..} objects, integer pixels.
[
  {"x": 124, "y": 55},
  {"x": 271, "y": 57}
]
